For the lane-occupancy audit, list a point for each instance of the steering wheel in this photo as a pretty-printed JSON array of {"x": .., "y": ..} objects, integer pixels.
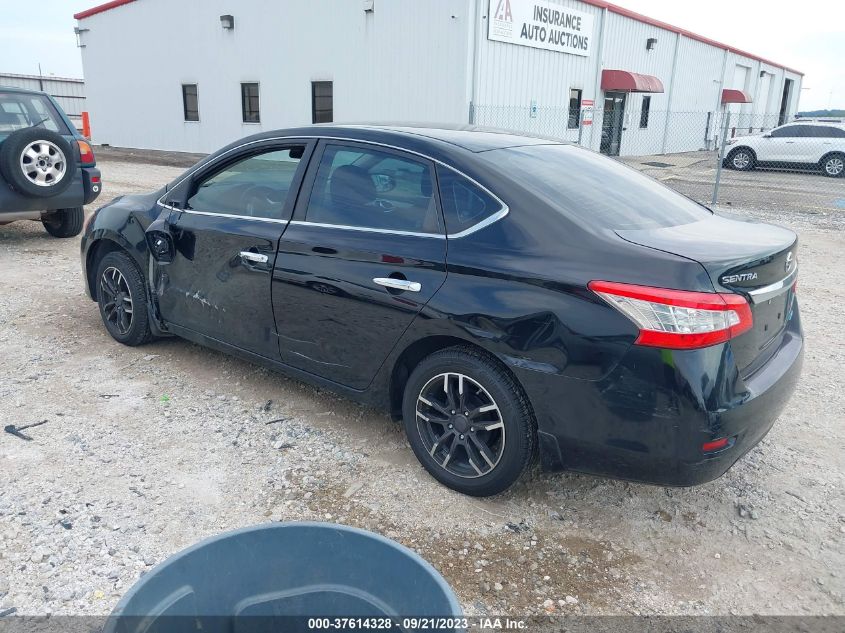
[{"x": 259, "y": 200}]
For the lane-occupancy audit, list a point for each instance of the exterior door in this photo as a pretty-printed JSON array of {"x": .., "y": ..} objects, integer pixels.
[
  {"x": 612, "y": 121},
  {"x": 226, "y": 224},
  {"x": 365, "y": 252}
]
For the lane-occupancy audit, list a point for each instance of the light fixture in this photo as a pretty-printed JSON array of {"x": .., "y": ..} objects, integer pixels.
[
  {"x": 227, "y": 21},
  {"x": 650, "y": 43},
  {"x": 369, "y": 6},
  {"x": 762, "y": 73}
]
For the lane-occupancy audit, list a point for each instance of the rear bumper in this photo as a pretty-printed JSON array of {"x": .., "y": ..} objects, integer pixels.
[
  {"x": 91, "y": 184},
  {"x": 649, "y": 418}
]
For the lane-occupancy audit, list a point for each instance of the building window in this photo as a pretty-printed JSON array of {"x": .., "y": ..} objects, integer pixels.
[
  {"x": 322, "y": 102},
  {"x": 574, "y": 109},
  {"x": 249, "y": 103},
  {"x": 644, "y": 112},
  {"x": 190, "y": 102}
]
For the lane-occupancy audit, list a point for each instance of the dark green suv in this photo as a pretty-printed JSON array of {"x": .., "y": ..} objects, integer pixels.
[{"x": 47, "y": 169}]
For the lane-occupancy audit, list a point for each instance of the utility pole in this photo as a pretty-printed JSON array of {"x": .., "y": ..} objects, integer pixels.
[{"x": 40, "y": 78}]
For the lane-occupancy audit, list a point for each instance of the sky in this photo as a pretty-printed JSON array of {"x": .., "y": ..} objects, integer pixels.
[{"x": 810, "y": 39}]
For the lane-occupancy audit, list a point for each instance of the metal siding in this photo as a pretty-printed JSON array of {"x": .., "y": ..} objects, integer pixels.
[
  {"x": 625, "y": 49},
  {"x": 405, "y": 60},
  {"x": 68, "y": 92},
  {"x": 511, "y": 77}
]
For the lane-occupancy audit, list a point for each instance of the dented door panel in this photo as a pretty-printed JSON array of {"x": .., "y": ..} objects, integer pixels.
[{"x": 211, "y": 288}]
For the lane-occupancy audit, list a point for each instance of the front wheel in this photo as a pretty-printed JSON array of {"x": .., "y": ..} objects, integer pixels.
[
  {"x": 122, "y": 298},
  {"x": 833, "y": 165},
  {"x": 742, "y": 159},
  {"x": 64, "y": 222},
  {"x": 468, "y": 422}
]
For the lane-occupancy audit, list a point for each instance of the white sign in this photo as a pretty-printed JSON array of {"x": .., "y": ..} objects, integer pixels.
[{"x": 540, "y": 24}]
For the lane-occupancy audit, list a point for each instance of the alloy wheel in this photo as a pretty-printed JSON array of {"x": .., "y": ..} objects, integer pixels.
[
  {"x": 117, "y": 300},
  {"x": 43, "y": 163},
  {"x": 460, "y": 425},
  {"x": 741, "y": 160},
  {"x": 834, "y": 165}
]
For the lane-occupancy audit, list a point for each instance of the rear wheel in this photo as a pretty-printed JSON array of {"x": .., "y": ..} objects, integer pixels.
[
  {"x": 833, "y": 165},
  {"x": 468, "y": 422},
  {"x": 742, "y": 159},
  {"x": 122, "y": 297},
  {"x": 64, "y": 222}
]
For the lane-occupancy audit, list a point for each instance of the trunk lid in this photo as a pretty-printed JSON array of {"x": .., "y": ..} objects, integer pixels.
[{"x": 759, "y": 261}]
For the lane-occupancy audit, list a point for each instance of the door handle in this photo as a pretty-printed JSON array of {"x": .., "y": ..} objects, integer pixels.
[
  {"x": 257, "y": 258},
  {"x": 398, "y": 284}
]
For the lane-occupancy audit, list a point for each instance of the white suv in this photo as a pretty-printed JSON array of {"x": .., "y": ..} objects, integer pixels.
[{"x": 800, "y": 144}]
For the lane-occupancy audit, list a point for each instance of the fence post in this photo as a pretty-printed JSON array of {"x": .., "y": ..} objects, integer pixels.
[
  {"x": 721, "y": 156},
  {"x": 580, "y": 125}
]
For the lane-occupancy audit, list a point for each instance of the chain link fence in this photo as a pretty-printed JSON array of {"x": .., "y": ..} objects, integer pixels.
[{"x": 714, "y": 157}]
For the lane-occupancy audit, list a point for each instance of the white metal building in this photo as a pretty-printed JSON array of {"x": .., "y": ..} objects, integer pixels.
[
  {"x": 193, "y": 75},
  {"x": 69, "y": 92}
]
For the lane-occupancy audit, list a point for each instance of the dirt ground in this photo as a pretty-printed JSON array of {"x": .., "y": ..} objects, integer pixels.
[{"x": 147, "y": 450}]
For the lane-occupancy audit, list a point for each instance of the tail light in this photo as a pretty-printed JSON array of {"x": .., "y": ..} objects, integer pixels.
[
  {"x": 678, "y": 319},
  {"x": 86, "y": 154}
]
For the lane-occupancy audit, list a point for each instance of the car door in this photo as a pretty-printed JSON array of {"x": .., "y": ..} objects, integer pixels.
[
  {"x": 789, "y": 144},
  {"x": 225, "y": 223},
  {"x": 827, "y": 138},
  {"x": 365, "y": 252}
]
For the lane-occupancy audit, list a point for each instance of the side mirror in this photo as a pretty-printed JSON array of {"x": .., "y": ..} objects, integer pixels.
[
  {"x": 383, "y": 182},
  {"x": 767, "y": 136}
]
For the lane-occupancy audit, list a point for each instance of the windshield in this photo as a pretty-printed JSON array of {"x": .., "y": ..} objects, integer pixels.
[
  {"x": 595, "y": 190},
  {"x": 19, "y": 110}
]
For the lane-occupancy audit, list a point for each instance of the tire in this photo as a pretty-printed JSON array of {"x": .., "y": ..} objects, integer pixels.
[
  {"x": 64, "y": 222},
  {"x": 38, "y": 163},
  {"x": 833, "y": 165},
  {"x": 742, "y": 159},
  {"x": 442, "y": 449},
  {"x": 120, "y": 285}
]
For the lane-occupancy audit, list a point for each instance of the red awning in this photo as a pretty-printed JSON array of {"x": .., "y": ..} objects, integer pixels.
[
  {"x": 735, "y": 96},
  {"x": 625, "y": 81}
]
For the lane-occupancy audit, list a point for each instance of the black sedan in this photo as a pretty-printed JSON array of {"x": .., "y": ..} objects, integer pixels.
[{"x": 501, "y": 295}]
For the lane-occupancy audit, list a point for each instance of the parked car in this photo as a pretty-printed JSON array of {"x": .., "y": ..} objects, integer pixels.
[
  {"x": 499, "y": 294},
  {"x": 803, "y": 144},
  {"x": 47, "y": 169}
]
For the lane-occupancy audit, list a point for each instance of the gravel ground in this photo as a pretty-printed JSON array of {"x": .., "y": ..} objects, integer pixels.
[{"x": 147, "y": 450}]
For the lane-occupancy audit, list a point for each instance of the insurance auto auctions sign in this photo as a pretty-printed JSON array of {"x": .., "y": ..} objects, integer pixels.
[{"x": 540, "y": 24}]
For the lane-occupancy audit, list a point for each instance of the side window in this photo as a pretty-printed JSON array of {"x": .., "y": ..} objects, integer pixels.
[
  {"x": 256, "y": 187},
  {"x": 190, "y": 102},
  {"x": 645, "y": 112},
  {"x": 465, "y": 204},
  {"x": 784, "y": 132},
  {"x": 368, "y": 188},
  {"x": 827, "y": 131}
]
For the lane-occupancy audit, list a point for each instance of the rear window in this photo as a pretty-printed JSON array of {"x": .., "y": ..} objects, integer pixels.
[
  {"x": 595, "y": 190},
  {"x": 20, "y": 110}
]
